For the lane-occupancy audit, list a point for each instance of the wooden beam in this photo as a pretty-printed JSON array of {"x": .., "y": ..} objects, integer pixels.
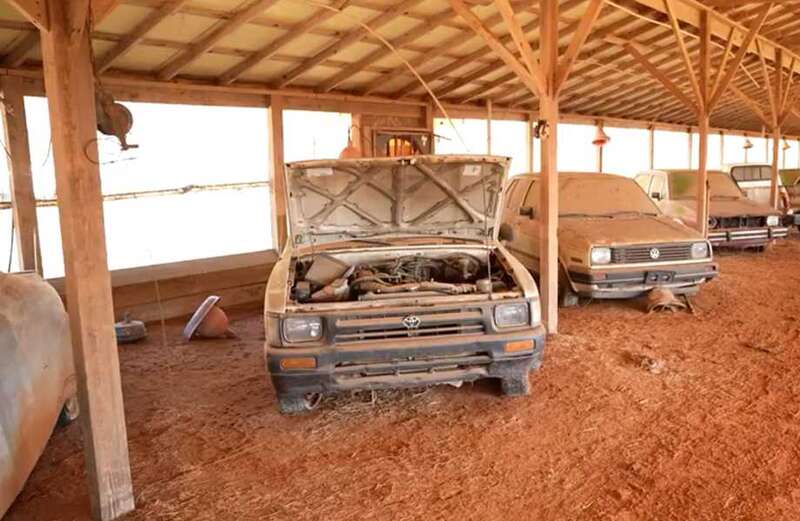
[
  {"x": 651, "y": 147},
  {"x": 661, "y": 77},
  {"x": 529, "y": 162},
  {"x": 23, "y": 200},
  {"x": 548, "y": 204},
  {"x": 102, "y": 8},
  {"x": 774, "y": 195},
  {"x": 267, "y": 52},
  {"x": 751, "y": 103},
  {"x": 578, "y": 39},
  {"x": 277, "y": 173},
  {"x": 138, "y": 33},
  {"x": 69, "y": 81},
  {"x": 687, "y": 60},
  {"x": 702, "y": 181},
  {"x": 19, "y": 53},
  {"x": 519, "y": 38},
  {"x": 753, "y": 28},
  {"x": 721, "y": 69},
  {"x": 346, "y": 40},
  {"x": 705, "y": 61},
  {"x": 768, "y": 87},
  {"x": 535, "y": 84},
  {"x": 35, "y": 11},
  {"x": 220, "y": 31}
]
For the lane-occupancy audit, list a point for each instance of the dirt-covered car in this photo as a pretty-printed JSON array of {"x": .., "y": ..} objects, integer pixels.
[
  {"x": 755, "y": 181},
  {"x": 37, "y": 376},
  {"x": 613, "y": 242},
  {"x": 734, "y": 220},
  {"x": 393, "y": 277}
]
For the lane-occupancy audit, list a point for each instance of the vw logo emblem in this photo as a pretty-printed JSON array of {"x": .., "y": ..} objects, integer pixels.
[
  {"x": 655, "y": 253},
  {"x": 411, "y": 322}
]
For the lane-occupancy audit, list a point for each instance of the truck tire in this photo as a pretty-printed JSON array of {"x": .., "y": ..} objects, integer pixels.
[
  {"x": 69, "y": 412},
  {"x": 298, "y": 404},
  {"x": 516, "y": 385}
]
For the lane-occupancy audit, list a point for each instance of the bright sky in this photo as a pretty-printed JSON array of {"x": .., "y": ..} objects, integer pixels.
[{"x": 185, "y": 145}]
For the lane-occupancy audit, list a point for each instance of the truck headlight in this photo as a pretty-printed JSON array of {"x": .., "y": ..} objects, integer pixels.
[
  {"x": 510, "y": 315},
  {"x": 601, "y": 256},
  {"x": 773, "y": 220},
  {"x": 700, "y": 250},
  {"x": 301, "y": 329}
]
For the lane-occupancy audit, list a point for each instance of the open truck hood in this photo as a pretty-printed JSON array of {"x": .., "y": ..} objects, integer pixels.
[{"x": 454, "y": 196}]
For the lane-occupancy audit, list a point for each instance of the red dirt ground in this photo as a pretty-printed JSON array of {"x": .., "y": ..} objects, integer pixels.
[{"x": 714, "y": 434}]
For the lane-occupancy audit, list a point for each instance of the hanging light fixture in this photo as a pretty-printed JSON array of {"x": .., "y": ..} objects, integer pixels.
[
  {"x": 600, "y": 137},
  {"x": 747, "y": 144},
  {"x": 350, "y": 151}
]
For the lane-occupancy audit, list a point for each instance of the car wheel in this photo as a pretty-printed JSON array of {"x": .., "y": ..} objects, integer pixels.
[
  {"x": 69, "y": 412},
  {"x": 516, "y": 385},
  {"x": 299, "y": 404}
]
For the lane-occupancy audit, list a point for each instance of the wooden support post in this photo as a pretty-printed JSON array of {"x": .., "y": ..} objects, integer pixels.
[
  {"x": 529, "y": 162},
  {"x": 23, "y": 201},
  {"x": 489, "y": 127},
  {"x": 429, "y": 124},
  {"x": 722, "y": 149},
  {"x": 69, "y": 82},
  {"x": 599, "y": 157},
  {"x": 277, "y": 173},
  {"x": 651, "y": 147},
  {"x": 702, "y": 173},
  {"x": 548, "y": 205},
  {"x": 690, "y": 150},
  {"x": 774, "y": 197}
]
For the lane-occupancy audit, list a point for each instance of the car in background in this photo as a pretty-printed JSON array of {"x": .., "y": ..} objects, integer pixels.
[
  {"x": 37, "y": 376},
  {"x": 734, "y": 220},
  {"x": 755, "y": 180},
  {"x": 790, "y": 178},
  {"x": 613, "y": 242},
  {"x": 393, "y": 277}
]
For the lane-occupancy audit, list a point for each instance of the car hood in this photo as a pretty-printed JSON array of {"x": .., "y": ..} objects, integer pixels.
[
  {"x": 627, "y": 230},
  {"x": 733, "y": 208},
  {"x": 333, "y": 200}
]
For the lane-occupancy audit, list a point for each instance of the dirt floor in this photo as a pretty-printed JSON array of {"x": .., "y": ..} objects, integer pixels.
[{"x": 632, "y": 417}]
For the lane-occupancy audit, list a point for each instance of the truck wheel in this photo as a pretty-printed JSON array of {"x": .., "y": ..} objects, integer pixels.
[
  {"x": 299, "y": 404},
  {"x": 69, "y": 412},
  {"x": 566, "y": 297},
  {"x": 516, "y": 385}
]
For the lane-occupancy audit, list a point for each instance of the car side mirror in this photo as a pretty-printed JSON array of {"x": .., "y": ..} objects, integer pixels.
[
  {"x": 506, "y": 232},
  {"x": 656, "y": 195},
  {"x": 527, "y": 211}
]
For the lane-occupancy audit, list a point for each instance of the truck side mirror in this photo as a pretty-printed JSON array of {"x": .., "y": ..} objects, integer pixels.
[
  {"x": 527, "y": 211},
  {"x": 656, "y": 195},
  {"x": 506, "y": 232}
]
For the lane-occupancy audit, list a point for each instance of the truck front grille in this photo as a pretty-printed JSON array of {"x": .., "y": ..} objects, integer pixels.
[
  {"x": 651, "y": 253},
  {"x": 371, "y": 327},
  {"x": 740, "y": 222}
]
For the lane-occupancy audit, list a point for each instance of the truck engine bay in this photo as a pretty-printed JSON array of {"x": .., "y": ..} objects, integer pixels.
[{"x": 328, "y": 278}]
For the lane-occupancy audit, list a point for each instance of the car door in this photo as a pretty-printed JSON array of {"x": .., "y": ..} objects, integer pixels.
[{"x": 524, "y": 220}]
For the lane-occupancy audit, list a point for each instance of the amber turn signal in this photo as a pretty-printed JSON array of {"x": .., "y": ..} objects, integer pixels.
[
  {"x": 519, "y": 345},
  {"x": 299, "y": 363}
]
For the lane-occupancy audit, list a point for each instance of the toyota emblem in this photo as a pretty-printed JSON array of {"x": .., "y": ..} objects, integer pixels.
[
  {"x": 411, "y": 322},
  {"x": 655, "y": 253}
]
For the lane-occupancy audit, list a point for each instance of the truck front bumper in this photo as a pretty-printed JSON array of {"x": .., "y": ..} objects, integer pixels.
[
  {"x": 632, "y": 282},
  {"x": 404, "y": 363},
  {"x": 746, "y": 238}
]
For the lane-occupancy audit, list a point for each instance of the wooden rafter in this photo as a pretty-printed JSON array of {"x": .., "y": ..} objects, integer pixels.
[
  {"x": 35, "y": 11},
  {"x": 660, "y": 76},
  {"x": 223, "y": 29},
  {"x": 534, "y": 83},
  {"x": 519, "y": 38},
  {"x": 20, "y": 51},
  {"x": 345, "y": 41},
  {"x": 138, "y": 33},
  {"x": 578, "y": 39},
  {"x": 768, "y": 86},
  {"x": 687, "y": 60}
]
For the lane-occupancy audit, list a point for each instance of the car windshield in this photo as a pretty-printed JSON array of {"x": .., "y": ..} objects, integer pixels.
[
  {"x": 683, "y": 185},
  {"x": 597, "y": 196}
]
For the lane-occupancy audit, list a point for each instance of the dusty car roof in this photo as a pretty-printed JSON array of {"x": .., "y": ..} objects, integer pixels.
[{"x": 566, "y": 175}]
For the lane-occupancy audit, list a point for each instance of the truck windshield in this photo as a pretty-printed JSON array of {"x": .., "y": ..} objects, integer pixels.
[{"x": 683, "y": 185}]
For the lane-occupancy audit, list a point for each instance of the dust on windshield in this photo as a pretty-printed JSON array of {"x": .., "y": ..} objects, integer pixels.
[
  {"x": 683, "y": 185},
  {"x": 600, "y": 196}
]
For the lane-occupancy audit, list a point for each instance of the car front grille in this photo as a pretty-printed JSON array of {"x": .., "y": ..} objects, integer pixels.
[
  {"x": 371, "y": 327},
  {"x": 651, "y": 253},
  {"x": 740, "y": 222}
]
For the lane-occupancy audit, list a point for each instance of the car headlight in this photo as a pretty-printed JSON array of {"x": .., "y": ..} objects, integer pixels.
[
  {"x": 773, "y": 220},
  {"x": 510, "y": 315},
  {"x": 601, "y": 256},
  {"x": 301, "y": 329},
  {"x": 700, "y": 250}
]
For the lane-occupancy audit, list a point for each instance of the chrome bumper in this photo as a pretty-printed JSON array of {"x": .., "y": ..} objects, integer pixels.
[{"x": 750, "y": 237}]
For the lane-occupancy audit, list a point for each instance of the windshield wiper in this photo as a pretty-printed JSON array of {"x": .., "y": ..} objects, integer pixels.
[{"x": 631, "y": 212}]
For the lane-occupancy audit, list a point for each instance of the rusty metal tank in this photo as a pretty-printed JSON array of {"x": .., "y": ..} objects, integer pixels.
[{"x": 37, "y": 376}]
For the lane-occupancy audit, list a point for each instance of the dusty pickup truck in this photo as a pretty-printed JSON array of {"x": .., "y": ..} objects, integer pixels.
[
  {"x": 755, "y": 181},
  {"x": 393, "y": 277},
  {"x": 613, "y": 242},
  {"x": 734, "y": 220}
]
